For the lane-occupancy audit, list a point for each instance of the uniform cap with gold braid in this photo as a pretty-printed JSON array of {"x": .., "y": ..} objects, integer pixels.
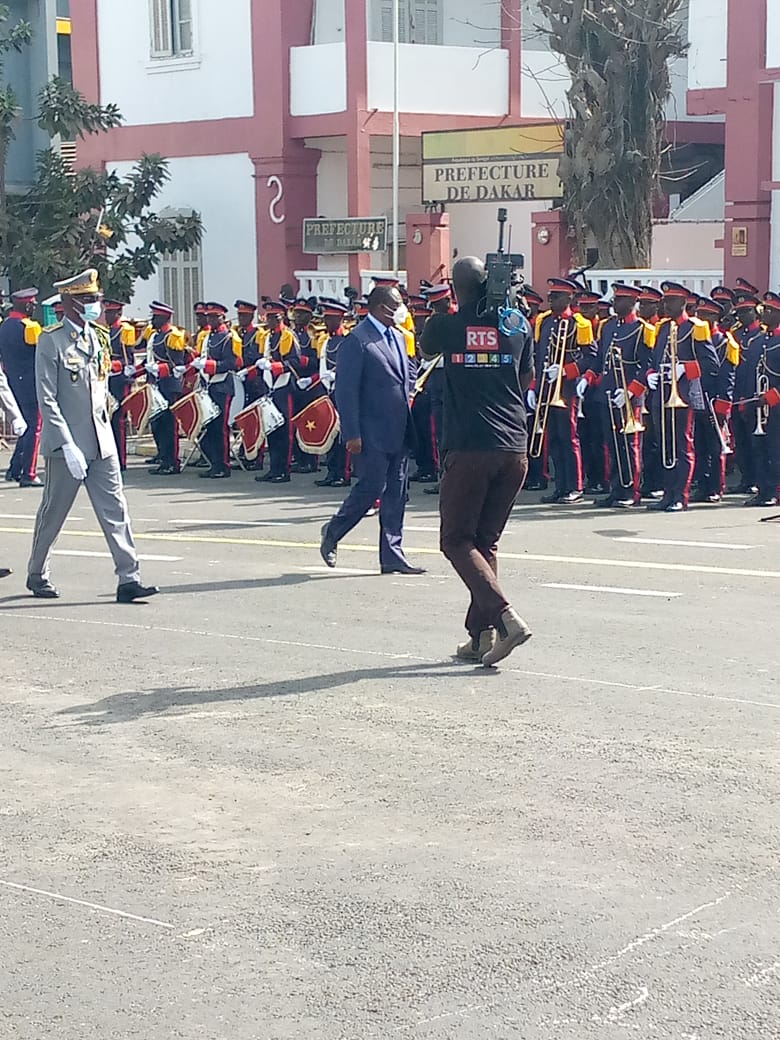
[{"x": 84, "y": 284}]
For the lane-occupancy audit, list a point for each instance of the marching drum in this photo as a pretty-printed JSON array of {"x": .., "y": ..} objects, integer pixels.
[
  {"x": 194, "y": 412},
  {"x": 143, "y": 405}
]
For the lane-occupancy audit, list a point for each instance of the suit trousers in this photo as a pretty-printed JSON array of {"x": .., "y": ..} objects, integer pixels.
[
  {"x": 384, "y": 477},
  {"x": 104, "y": 487},
  {"x": 24, "y": 461},
  {"x": 476, "y": 495}
]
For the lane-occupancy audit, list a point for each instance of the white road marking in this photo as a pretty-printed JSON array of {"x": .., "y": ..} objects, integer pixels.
[
  {"x": 610, "y": 588},
  {"x": 107, "y": 556},
  {"x": 334, "y": 572},
  {"x": 84, "y": 902},
  {"x": 683, "y": 544},
  {"x": 31, "y": 516},
  {"x": 278, "y": 543},
  {"x": 412, "y": 658},
  {"x": 230, "y": 523}
]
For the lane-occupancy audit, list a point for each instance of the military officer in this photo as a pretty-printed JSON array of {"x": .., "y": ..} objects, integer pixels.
[
  {"x": 72, "y": 366},
  {"x": 18, "y": 339},
  {"x": 122, "y": 335}
]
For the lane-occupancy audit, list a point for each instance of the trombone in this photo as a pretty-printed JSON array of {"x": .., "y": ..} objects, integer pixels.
[
  {"x": 762, "y": 386},
  {"x": 671, "y": 405},
  {"x": 550, "y": 395},
  {"x": 630, "y": 424}
]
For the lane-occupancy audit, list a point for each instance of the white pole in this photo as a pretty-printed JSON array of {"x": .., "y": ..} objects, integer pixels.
[{"x": 396, "y": 126}]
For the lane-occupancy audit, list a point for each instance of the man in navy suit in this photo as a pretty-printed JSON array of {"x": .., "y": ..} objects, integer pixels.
[{"x": 373, "y": 388}]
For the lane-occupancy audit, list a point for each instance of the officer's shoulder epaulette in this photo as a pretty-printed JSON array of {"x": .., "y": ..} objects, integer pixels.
[
  {"x": 177, "y": 338},
  {"x": 127, "y": 335},
  {"x": 649, "y": 334},
  {"x": 32, "y": 331},
  {"x": 147, "y": 333},
  {"x": 54, "y": 327},
  {"x": 584, "y": 330},
  {"x": 732, "y": 350},
  {"x": 701, "y": 330},
  {"x": 540, "y": 319}
]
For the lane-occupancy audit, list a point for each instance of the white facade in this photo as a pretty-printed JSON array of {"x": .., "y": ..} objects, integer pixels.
[
  {"x": 708, "y": 33},
  {"x": 774, "y": 261},
  {"x": 221, "y": 189},
  {"x": 213, "y": 81}
]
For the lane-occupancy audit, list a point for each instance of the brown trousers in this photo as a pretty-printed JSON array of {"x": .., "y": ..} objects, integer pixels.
[{"x": 477, "y": 492}]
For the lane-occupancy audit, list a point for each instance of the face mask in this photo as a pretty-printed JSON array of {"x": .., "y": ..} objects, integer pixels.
[
  {"x": 400, "y": 315},
  {"x": 90, "y": 311}
]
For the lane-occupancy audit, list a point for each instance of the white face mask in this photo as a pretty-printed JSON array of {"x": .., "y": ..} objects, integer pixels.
[
  {"x": 90, "y": 311},
  {"x": 401, "y": 314}
]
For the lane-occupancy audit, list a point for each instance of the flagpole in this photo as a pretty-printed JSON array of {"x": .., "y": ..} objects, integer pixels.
[{"x": 396, "y": 127}]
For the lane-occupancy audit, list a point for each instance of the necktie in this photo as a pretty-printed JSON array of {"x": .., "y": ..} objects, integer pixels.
[{"x": 393, "y": 344}]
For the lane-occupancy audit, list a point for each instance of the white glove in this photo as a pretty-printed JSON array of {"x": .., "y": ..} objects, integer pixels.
[
  {"x": 75, "y": 461},
  {"x": 582, "y": 386},
  {"x": 652, "y": 380},
  {"x": 129, "y": 371},
  {"x": 241, "y": 376},
  {"x": 530, "y": 396},
  {"x": 619, "y": 398},
  {"x": 552, "y": 372},
  {"x": 179, "y": 370},
  {"x": 19, "y": 426},
  {"x": 263, "y": 364},
  {"x": 680, "y": 369},
  {"x": 305, "y": 383},
  {"x": 153, "y": 368},
  {"x": 199, "y": 364},
  {"x": 328, "y": 379}
]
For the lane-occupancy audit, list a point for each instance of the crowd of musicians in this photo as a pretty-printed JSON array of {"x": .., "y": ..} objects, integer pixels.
[{"x": 644, "y": 395}]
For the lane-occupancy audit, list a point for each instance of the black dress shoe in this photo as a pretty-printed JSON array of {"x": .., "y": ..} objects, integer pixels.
[
  {"x": 165, "y": 471},
  {"x": 328, "y": 547},
  {"x": 5, "y": 572},
  {"x": 408, "y": 569},
  {"x": 551, "y": 500},
  {"x": 326, "y": 482},
  {"x": 30, "y": 482},
  {"x": 605, "y": 503},
  {"x": 154, "y": 461},
  {"x": 281, "y": 478},
  {"x": 208, "y": 474},
  {"x": 432, "y": 490},
  {"x": 220, "y": 474},
  {"x": 264, "y": 479},
  {"x": 536, "y": 485},
  {"x": 10, "y": 477},
  {"x": 572, "y": 499},
  {"x": 675, "y": 507},
  {"x": 340, "y": 482},
  {"x": 135, "y": 590},
  {"x": 42, "y": 589},
  {"x": 761, "y": 502},
  {"x": 626, "y": 503},
  {"x": 659, "y": 506}
]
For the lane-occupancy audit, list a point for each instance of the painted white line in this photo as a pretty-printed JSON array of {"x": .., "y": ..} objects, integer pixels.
[
  {"x": 84, "y": 902},
  {"x": 107, "y": 556},
  {"x": 426, "y": 530},
  {"x": 610, "y": 588},
  {"x": 412, "y": 658},
  {"x": 32, "y": 516},
  {"x": 231, "y": 523},
  {"x": 334, "y": 573},
  {"x": 278, "y": 543},
  {"x": 684, "y": 544}
]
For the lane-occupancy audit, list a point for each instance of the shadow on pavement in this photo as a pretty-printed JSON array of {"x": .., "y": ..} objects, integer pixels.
[{"x": 129, "y": 707}]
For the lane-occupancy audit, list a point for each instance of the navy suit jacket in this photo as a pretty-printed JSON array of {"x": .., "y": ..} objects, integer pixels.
[{"x": 374, "y": 383}]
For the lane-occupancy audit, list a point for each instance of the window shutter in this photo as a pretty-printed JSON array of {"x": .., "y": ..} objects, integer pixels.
[
  {"x": 426, "y": 22},
  {"x": 160, "y": 21},
  {"x": 385, "y": 20},
  {"x": 183, "y": 13}
]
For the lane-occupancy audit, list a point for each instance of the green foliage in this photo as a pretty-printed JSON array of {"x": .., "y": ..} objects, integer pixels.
[{"x": 68, "y": 221}]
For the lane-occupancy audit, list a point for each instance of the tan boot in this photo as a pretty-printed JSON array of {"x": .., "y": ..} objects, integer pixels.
[
  {"x": 475, "y": 649},
  {"x": 512, "y": 632}
]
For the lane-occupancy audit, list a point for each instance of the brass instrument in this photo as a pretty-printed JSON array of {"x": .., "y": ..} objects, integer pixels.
[
  {"x": 722, "y": 433},
  {"x": 630, "y": 424},
  {"x": 762, "y": 387},
  {"x": 550, "y": 395},
  {"x": 673, "y": 402}
]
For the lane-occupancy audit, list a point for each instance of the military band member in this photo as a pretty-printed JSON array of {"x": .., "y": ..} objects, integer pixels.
[
  {"x": 683, "y": 354},
  {"x": 426, "y": 453},
  {"x": 749, "y": 334},
  {"x": 537, "y": 467},
  {"x": 221, "y": 357},
  {"x": 767, "y": 429},
  {"x": 201, "y": 327},
  {"x": 625, "y": 349},
  {"x": 165, "y": 351},
  {"x": 18, "y": 340},
  {"x": 122, "y": 335},
  {"x": 302, "y": 312},
  {"x": 72, "y": 365},
  {"x": 280, "y": 358},
  {"x": 712, "y": 425},
  {"x": 565, "y": 358},
  {"x": 338, "y": 461},
  {"x": 590, "y": 423}
]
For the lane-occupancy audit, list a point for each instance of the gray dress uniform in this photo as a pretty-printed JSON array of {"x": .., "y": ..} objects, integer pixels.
[{"x": 71, "y": 369}]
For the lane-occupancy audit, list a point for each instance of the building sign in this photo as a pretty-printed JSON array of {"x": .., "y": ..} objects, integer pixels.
[
  {"x": 739, "y": 241},
  {"x": 508, "y": 164},
  {"x": 350, "y": 235}
]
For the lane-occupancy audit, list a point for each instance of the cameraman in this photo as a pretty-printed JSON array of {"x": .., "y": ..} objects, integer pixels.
[{"x": 485, "y": 445}]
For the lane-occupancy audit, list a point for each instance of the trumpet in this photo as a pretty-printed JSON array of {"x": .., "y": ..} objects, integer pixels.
[
  {"x": 721, "y": 432},
  {"x": 550, "y": 395},
  {"x": 762, "y": 412},
  {"x": 629, "y": 423},
  {"x": 669, "y": 407}
]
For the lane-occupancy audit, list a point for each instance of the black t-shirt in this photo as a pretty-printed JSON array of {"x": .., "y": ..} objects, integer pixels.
[{"x": 484, "y": 402}]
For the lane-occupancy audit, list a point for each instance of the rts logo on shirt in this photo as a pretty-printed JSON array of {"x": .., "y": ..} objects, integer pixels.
[{"x": 482, "y": 346}]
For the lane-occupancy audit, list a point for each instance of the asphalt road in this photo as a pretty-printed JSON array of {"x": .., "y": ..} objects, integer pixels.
[{"x": 269, "y": 805}]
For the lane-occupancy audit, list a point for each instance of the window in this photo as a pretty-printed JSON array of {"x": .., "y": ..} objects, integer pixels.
[
  {"x": 419, "y": 21},
  {"x": 171, "y": 27},
  {"x": 181, "y": 282}
]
